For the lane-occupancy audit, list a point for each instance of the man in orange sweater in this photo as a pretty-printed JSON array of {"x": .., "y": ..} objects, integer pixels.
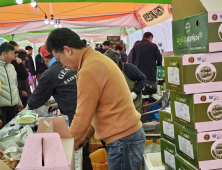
[{"x": 104, "y": 103}]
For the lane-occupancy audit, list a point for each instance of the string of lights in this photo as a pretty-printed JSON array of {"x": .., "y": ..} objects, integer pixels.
[{"x": 53, "y": 21}]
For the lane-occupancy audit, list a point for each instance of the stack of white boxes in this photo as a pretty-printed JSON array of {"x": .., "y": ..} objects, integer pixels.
[{"x": 192, "y": 130}]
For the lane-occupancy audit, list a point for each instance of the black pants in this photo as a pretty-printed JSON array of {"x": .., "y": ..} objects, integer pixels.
[
  {"x": 87, "y": 165},
  {"x": 7, "y": 114}
]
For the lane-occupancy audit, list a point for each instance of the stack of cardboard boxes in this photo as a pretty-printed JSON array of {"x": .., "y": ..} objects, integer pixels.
[{"x": 192, "y": 130}]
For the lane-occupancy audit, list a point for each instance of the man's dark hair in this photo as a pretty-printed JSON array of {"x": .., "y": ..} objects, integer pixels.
[
  {"x": 119, "y": 47},
  {"x": 22, "y": 54},
  {"x": 106, "y": 43},
  {"x": 84, "y": 41},
  {"x": 147, "y": 35},
  {"x": 6, "y": 47},
  {"x": 13, "y": 43},
  {"x": 61, "y": 37},
  {"x": 28, "y": 48},
  {"x": 49, "y": 56}
]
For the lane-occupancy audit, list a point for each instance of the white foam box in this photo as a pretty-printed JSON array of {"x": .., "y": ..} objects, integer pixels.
[
  {"x": 59, "y": 126},
  {"x": 43, "y": 151}
]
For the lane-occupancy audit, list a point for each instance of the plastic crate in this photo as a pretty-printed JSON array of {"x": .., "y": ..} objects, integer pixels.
[
  {"x": 150, "y": 141},
  {"x": 97, "y": 158}
]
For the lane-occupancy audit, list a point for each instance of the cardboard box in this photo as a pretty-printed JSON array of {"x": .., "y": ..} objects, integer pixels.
[
  {"x": 194, "y": 73},
  {"x": 182, "y": 164},
  {"x": 199, "y": 30},
  {"x": 4, "y": 166},
  {"x": 167, "y": 153},
  {"x": 202, "y": 150},
  {"x": 198, "y": 112},
  {"x": 166, "y": 125}
]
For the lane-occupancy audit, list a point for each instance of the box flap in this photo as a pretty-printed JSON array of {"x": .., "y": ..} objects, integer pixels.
[
  {"x": 186, "y": 8},
  {"x": 4, "y": 166},
  {"x": 68, "y": 145},
  {"x": 212, "y": 5},
  {"x": 59, "y": 126}
]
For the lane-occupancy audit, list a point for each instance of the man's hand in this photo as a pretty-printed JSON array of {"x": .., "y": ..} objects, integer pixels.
[
  {"x": 134, "y": 95},
  {"x": 82, "y": 142},
  {"x": 0, "y": 123},
  {"x": 20, "y": 108},
  {"x": 24, "y": 94},
  {"x": 19, "y": 61}
]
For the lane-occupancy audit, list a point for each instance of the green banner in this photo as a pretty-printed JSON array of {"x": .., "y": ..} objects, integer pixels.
[{"x": 4, "y": 3}]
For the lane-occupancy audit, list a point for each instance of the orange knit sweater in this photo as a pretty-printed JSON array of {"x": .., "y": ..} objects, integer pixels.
[{"x": 104, "y": 100}]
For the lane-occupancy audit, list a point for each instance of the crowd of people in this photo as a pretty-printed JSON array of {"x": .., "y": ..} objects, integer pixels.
[{"x": 108, "y": 101}]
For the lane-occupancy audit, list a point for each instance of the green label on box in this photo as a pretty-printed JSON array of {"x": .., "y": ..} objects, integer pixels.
[
  {"x": 186, "y": 144},
  {"x": 173, "y": 73},
  {"x": 181, "y": 164},
  {"x": 190, "y": 35},
  {"x": 166, "y": 126},
  {"x": 182, "y": 109},
  {"x": 167, "y": 153}
]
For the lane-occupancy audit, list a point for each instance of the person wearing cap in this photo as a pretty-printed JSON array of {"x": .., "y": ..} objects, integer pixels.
[
  {"x": 135, "y": 79},
  {"x": 59, "y": 82}
]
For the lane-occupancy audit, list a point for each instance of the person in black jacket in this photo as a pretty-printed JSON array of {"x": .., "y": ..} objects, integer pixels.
[
  {"x": 40, "y": 66},
  {"x": 30, "y": 64},
  {"x": 60, "y": 83},
  {"x": 26, "y": 91},
  {"x": 134, "y": 77},
  {"x": 22, "y": 73},
  {"x": 146, "y": 56}
]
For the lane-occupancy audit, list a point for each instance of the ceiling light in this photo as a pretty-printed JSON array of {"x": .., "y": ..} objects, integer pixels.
[
  {"x": 52, "y": 21},
  {"x": 46, "y": 20},
  {"x": 36, "y": 9},
  {"x": 60, "y": 25},
  {"x": 33, "y": 3},
  {"x": 56, "y": 25},
  {"x": 19, "y": 1}
]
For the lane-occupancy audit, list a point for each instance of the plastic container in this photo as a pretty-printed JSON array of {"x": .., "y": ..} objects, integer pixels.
[
  {"x": 97, "y": 158},
  {"x": 151, "y": 159}
]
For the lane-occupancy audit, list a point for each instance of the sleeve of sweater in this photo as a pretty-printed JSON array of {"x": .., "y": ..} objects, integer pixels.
[
  {"x": 158, "y": 56},
  {"x": 89, "y": 93},
  {"x": 43, "y": 91},
  {"x": 134, "y": 74}
]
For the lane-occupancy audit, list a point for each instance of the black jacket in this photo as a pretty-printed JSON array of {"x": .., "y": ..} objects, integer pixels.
[
  {"x": 60, "y": 83},
  {"x": 123, "y": 56},
  {"x": 22, "y": 74},
  {"x": 40, "y": 64},
  {"x": 134, "y": 74},
  {"x": 30, "y": 65},
  {"x": 146, "y": 56}
]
